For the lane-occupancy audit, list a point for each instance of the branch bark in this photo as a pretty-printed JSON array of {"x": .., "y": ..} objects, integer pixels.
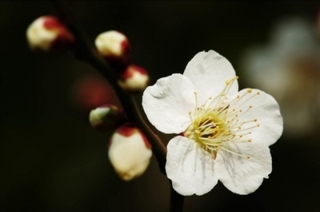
[{"x": 86, "y": 52}]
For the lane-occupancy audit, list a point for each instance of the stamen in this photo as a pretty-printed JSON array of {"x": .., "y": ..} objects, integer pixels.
[
  {"x": 217, "y": 121},
  {"x": 217, "y": 101},
  {"x": 235, "y": 153},
  {"x": 196, "y": 100},
  {"x": 241, "y": 135},
  {"x": 248, "y": 128},
  {"x": 205, "y": 103},
  {"x": 236, "y": 102},
  {"x": 236, "y": 124},
  {"x": 195, "y": 94},
  {"x": 190, "y": 115}
]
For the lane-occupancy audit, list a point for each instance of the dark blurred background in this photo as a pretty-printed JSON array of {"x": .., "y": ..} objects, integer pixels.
[{"x": 52, "y": 160}]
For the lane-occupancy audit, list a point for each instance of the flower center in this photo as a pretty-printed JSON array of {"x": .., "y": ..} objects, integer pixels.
[
  {"x": 208, "y": 128},
  {"x": 219, "y": 121}
]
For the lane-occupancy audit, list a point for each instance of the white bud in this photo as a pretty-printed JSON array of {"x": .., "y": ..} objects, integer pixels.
[
  {"x": 106, "y": 117},
  {"x": 129, "y": 152},
  {"x": 113, "y": 45},
  {"x": 47, "y": 33},
  {"x": 134, "y": 79}
]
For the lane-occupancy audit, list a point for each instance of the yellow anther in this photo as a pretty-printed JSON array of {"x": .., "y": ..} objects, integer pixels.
[
  {"x": 216, "y": 121},
  {"x": 213, "y": 155}
]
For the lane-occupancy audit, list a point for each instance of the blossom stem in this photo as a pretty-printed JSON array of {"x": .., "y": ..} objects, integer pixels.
[{"x": 85, "y": 51}]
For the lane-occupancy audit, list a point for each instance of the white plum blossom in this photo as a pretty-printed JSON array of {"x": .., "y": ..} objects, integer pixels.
[{"x": 223, "y": 134}]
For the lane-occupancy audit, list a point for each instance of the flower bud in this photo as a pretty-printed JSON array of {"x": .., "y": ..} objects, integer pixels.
[
  {"x": 129, "y": 152},
  {"x": 134, "y": 79},
  {"x": 47, "y": 33},
  {"x": 106, "y": 117},
  {"x": 113, "y": 46}
]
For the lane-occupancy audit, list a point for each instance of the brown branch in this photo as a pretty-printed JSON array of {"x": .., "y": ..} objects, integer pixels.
[{"x": 85, "y": 51}]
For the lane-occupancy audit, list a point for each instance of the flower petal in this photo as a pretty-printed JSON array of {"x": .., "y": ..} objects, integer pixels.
[
  {"x": 189, "y": 167},
  {"x": 240, "y": 174},
  {"x": 168, "y": 102},
  {"x": 209, "y": 72},
  {"x": 261, "y": 108}
]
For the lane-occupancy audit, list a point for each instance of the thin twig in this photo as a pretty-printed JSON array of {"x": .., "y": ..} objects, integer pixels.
[{"x": 85, "y": 51}]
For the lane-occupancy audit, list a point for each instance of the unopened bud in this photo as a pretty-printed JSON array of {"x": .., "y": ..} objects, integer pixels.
[
  {"x": 129, "y": 152},
  {"x": 134, "y": 79},
  {"x": 106, "y": 117},
  {"x": 113, "y": 46},
  {"x": 47, "y": 33}
]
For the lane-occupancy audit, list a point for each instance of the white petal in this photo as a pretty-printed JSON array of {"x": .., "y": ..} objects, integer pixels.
[
  {"x": 264, "y": 108},
  {"x": 168, "y": 102},
  {"x": 209, "y": 72},
  {"x": 189, "y": 167},
  {"x": 240, "y": 174}
]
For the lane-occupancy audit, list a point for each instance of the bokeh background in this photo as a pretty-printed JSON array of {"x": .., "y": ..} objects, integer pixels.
[{"x": 52, "y": 160}]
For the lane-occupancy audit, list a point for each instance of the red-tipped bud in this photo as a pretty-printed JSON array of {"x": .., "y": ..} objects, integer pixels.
[
  {"x": 129, "y": 152},
  {"x": 47, "y": 33},
  {"x": 134, "y": 79},
  {"x": 114, "y": 47},
  {"x": 106, "y": 117}
]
